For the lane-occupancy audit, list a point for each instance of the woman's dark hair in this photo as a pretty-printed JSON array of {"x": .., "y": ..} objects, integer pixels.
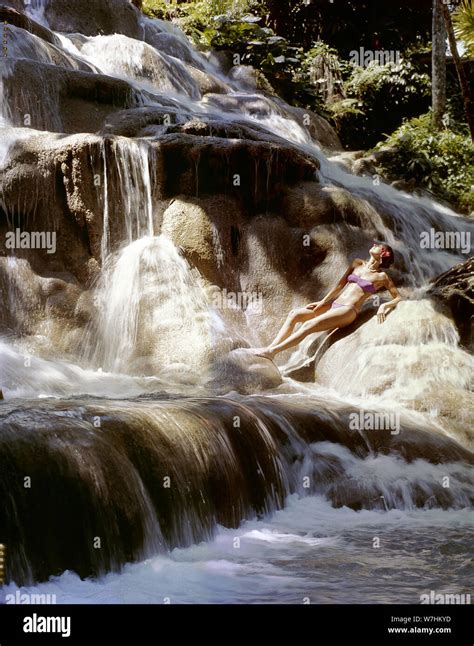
[{"x": 387, "y": 256}]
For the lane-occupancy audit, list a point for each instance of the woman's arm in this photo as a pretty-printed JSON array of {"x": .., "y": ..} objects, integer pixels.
[
  {"x": 386, "y": 308},
  {"x": 335, "y": 291}
]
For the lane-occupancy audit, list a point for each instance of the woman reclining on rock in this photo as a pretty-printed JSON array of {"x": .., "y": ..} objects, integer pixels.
[{"x": 361, "y": 280}]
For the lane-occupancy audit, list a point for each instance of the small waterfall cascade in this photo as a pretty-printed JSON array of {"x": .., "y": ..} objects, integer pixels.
[
  {"x": 108, "y": 371},
  {"x": 153, "y": 312}
]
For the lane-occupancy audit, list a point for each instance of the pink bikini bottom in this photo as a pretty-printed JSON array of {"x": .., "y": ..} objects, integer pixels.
[{"x": 336, "y": 305}]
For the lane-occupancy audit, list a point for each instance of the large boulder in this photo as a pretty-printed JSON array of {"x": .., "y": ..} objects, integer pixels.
[
  {"x": 207, "y": 230},
  {"x": 62, "y": 100},
  {"x": 42, "y": 310},
  {"x": 412, "y": 359},
  {"x": 455, "y": 291},
  {"x": 14, "y": 17},
  {"x": 92, "y": 19},
  {"x": 309, "y": 204},
  {"x": 243, "y": 371}
]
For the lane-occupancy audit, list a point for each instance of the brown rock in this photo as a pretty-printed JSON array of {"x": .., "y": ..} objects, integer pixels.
[
  {"x": 101, "y": 17},
  {"x": 11, "y": 16},
  {"x": 58, "y": 100},
  {"x": 320, "y": 130},
  {"x": 455, "y": 290}
]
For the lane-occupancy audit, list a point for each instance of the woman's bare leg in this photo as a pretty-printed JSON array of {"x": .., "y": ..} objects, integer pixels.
[
  {"x": 295, "y": 316},
  {"x": 328, "y": 321}
]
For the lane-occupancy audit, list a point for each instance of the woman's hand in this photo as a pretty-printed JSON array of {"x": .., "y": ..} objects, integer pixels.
[
  {"x": 382, "y": 312},
  {"x": 313, "y": 306}
]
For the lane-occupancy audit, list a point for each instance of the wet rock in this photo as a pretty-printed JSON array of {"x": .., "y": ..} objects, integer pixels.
[
  {"x": 246, "y": 373},
  {"x": 101, "y": 17},
  {"x": 18, "y": 19},
  {"x": 409, "y": 358},
  {"x": 202, "y": 230},
  {"x": 360, "y": 162},
  {"x": 25, "y": 45},
  {"x": 118, "y": 55},
  {"x": 168, "y": 39},
  {"x": 58, "y": 100},
  {"x": 383, "y": 154},
  {"x": 207, "y": 83},
  {"x": 254, "y": 172},
  {"x": 308, "y": 204},
  {"x": 364, "y": 166},
  {"x": 320, "y": 130},
  {"x": 455, "y": 291},
  {"x": 346, "y": 159},
  {"x": 136, "y": 122},
  {"x": 404, "y": 185},
  {"x": 244, "y": 74}
]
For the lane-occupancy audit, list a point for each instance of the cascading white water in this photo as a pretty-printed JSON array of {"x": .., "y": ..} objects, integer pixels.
[
  {"x": 131, "y": 59},
  {"x": 153, "y": 331},
  {"x": 409, "y": 216},
  {"x": 35, "y": 9},
  {"x": 153, "y": 315},
  {"x": 132, "y": 163},
  {"x": 130, "y": 159}
]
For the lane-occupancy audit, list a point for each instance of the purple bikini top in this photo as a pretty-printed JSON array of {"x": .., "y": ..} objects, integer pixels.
[{"x": 365, "y": 285}]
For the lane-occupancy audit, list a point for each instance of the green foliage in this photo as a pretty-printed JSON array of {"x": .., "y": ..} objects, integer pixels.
[
  {"x": 365, "y": 102},
  {"x": 384, "y": 95},
  {"x": 439, "y": 161},
  {"x": 237, "y": 27},
  {"x": 463, "y": 23},
  {"x": 210, "y": 23},
  {"x": 321, "y": 51},
  {"x": 395, "y": 81},
  {"x": 344, "y": 108}
]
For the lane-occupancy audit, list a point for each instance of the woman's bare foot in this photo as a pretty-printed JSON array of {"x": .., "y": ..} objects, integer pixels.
[{"x": 265, "y": 353}]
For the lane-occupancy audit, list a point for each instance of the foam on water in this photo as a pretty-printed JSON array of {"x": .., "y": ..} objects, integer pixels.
[
  {"x": 154, "y": 330},
  {"x": 308, "y": 550}
]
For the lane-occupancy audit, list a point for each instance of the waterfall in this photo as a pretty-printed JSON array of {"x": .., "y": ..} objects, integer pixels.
[
  {"x": 132, "y": 164},
  {"x": 129, "y": 393},
  {"x": 153, "y": 314},
  {"x": 130, "y": 59},
  {"x": 35, "y": 9},
  {"x": 160, "y": 475}
]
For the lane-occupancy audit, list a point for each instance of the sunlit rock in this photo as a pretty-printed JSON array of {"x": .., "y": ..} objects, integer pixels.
[{"x": 243, "y": 371}]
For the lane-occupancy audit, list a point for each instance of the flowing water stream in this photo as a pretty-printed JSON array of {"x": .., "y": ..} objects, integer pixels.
[{"x": 274, "y": 496}]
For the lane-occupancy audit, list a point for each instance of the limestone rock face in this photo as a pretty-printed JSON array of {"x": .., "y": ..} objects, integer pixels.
[
  {"x": 412, "y": 358},
  {"x": 319, "y": 129},
  {"x": 15, "y": 18},
  {"x": 103, "y": 17},
  {"x": 455, "y": 290},
  {"x": 62, "y": 100},
  {"x": 248, "y": 214},
  {"x": 243, "y": 371}
]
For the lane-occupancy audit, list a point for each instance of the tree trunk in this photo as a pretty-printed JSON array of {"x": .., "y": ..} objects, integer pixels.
[
  {"x": 438, "y": 65},
  {"x": 466, "y": 94}
]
